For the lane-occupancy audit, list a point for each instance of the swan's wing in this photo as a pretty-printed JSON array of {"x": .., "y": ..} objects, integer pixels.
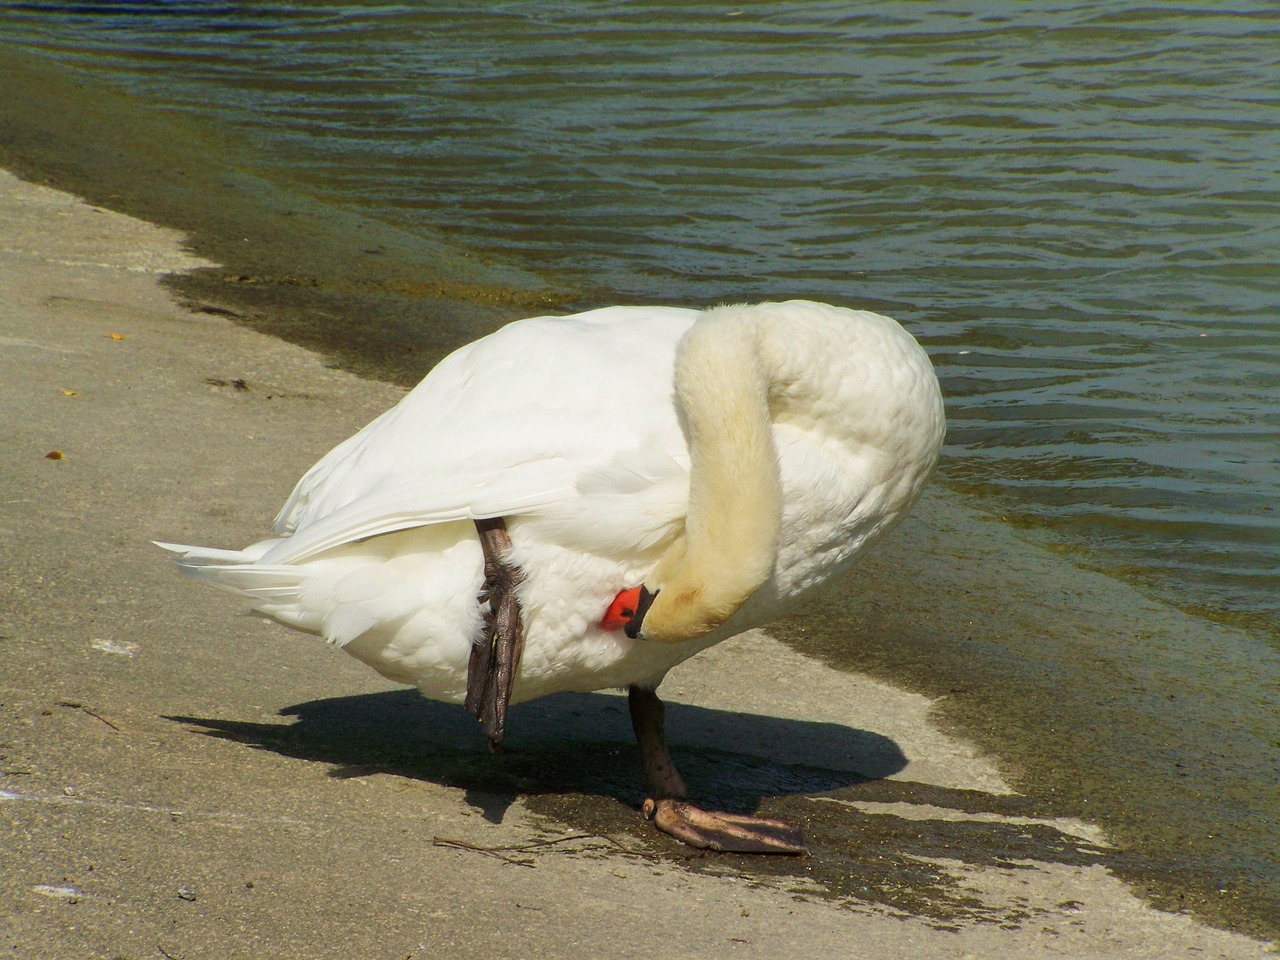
[{"x": 513, "y": 424}]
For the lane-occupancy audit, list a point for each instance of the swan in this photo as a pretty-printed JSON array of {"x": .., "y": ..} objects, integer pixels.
[{"x": 582, "y": 502}]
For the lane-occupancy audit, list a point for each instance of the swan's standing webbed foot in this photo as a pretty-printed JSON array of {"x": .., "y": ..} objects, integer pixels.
[
  {"x": 495, "y": 657},
  {"x": 666, "y": 798},
  {"x": 730, "y": 832}
]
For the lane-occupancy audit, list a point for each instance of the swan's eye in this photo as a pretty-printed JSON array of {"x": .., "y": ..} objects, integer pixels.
[{"x": 621, "y": 610}]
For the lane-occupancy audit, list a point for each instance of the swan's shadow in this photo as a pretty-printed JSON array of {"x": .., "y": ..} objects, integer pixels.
[
  {"x": 569, "y": 745},
  {"x": 572, "y": 758}
]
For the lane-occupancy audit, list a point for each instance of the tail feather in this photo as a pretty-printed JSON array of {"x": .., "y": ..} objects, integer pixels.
[
  {"x": 427, "y": 577},
  {"x": 199, "y": 556},
  {"x": 271, "y": 590}
]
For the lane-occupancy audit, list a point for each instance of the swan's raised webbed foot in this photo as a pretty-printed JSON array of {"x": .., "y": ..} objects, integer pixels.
[
  {"x": 665, "y": 796},
  {"x": 495, "y": 656}
]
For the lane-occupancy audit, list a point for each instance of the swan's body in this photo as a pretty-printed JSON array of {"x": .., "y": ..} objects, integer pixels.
[{"x": 731, "y": 459}]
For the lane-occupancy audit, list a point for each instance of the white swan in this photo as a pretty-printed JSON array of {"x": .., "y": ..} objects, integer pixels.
[{"x": 681, "y": 474}]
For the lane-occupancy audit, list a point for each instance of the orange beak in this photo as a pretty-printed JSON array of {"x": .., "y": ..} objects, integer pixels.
[{"x": 622, "y": 609}]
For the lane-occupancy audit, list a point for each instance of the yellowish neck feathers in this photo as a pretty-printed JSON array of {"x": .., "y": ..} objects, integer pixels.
[{"x": 735, "y": 493}]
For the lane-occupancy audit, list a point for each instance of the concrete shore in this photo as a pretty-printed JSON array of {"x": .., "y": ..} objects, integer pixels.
[{"x": 176, "y": 781}]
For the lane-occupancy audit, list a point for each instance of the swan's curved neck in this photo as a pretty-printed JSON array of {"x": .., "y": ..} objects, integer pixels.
[{"x": 722, "y": 386}]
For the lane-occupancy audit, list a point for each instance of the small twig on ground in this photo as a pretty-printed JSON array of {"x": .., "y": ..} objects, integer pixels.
[
  {"x": 648, "y": 855},
  {"x": 97, "y": 716},
  {"x": 583, "y": 836},
  {"x": 500, "y": 852},
  {"x": 487, "y": 851},
  {"x": 548, "y": 843}
]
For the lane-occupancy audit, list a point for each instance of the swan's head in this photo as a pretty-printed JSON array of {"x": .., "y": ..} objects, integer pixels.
[
  {"x": 683, "y": 601},
  {"x": 645, "y": 614},
  {"x": 628, "y": 610}
]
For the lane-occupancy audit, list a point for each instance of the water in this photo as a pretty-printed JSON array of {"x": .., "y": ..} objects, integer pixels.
[{"x": 1073, "y": 206}]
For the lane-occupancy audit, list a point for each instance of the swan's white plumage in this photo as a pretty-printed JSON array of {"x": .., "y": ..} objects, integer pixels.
[
  {"x": 568, "y": 428},
  {"x": 508, "y": 425}
]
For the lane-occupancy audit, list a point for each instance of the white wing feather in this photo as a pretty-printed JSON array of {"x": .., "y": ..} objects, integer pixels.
[{"x": 548, "y": 442}]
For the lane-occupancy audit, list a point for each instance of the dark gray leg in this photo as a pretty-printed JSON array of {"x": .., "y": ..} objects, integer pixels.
[
  {"x": 495, "y": 658},
  {"x": 666, "y": 800}
]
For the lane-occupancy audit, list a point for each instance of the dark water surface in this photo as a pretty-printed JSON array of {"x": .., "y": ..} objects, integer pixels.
[{"x": 1073, "y": 207}]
